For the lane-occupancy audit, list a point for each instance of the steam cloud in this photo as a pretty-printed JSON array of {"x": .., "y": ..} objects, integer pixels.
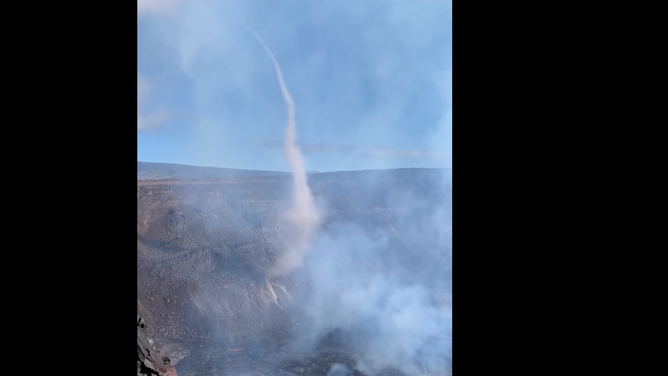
[
  {"x": 383, "y": 284},
  {"x": 339, "y": 370},
  {"x": 302, "y": 218}
]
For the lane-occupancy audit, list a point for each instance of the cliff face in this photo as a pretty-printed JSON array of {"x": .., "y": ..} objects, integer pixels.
[{"x": 203, "y": 248}]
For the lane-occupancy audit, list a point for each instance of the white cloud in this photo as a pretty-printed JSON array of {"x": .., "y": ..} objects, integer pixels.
[
  {"x": 151, "y": 121},
  {"x": 156, "y": 6},
  {"x": 378, "y": 152},
  {"x": 143, "y": 90},
  {"x": 148, "y": 120},
  {"x": 442, "y": 137}
]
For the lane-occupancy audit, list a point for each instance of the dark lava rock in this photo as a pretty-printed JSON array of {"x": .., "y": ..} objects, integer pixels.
[{"x": 149, "y": 360}]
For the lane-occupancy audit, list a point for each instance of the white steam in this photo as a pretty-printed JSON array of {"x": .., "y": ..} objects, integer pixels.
[
  {"x": 302, "y": 218},
  {"x": 385, "y": 284},
  {"x": 339, "y": 370}
]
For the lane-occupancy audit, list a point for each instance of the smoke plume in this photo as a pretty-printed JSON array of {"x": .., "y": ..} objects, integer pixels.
[{"x": 302, "y": 217}]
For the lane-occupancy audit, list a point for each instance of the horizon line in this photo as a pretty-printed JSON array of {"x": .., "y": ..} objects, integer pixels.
[{"x": 308, "y": 172}]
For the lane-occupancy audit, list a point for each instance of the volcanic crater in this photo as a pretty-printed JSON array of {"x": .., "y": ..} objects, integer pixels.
[{"x": 204, "y": 245}]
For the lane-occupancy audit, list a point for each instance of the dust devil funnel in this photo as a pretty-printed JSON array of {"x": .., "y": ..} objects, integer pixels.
[{"x": 302, "y": 218}]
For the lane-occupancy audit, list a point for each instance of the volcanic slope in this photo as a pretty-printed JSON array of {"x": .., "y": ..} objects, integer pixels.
[{"x": 204, "y": 245}]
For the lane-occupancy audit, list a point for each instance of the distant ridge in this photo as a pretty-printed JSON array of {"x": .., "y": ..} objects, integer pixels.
[{"x": 168, "y": 171}]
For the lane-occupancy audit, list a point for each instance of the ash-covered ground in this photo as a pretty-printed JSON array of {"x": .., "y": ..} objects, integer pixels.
[{"x": 373, "y": 296}]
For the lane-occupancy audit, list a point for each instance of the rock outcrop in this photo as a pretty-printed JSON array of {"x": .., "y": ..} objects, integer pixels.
[{"x": 150, "y": 362}]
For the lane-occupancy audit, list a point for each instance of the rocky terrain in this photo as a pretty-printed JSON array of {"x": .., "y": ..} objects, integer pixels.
[{"x": 204, "y": 245}]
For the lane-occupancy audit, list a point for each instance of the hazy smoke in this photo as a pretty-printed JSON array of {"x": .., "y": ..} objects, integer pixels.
[
  {"x": 339, "y": 370},
  {"x": 302, "y": 217},
  {"x": 384, "y": 283}
]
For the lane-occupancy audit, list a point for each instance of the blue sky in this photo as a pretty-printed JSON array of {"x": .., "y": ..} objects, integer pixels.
[{"x": 371, "y": 81}]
